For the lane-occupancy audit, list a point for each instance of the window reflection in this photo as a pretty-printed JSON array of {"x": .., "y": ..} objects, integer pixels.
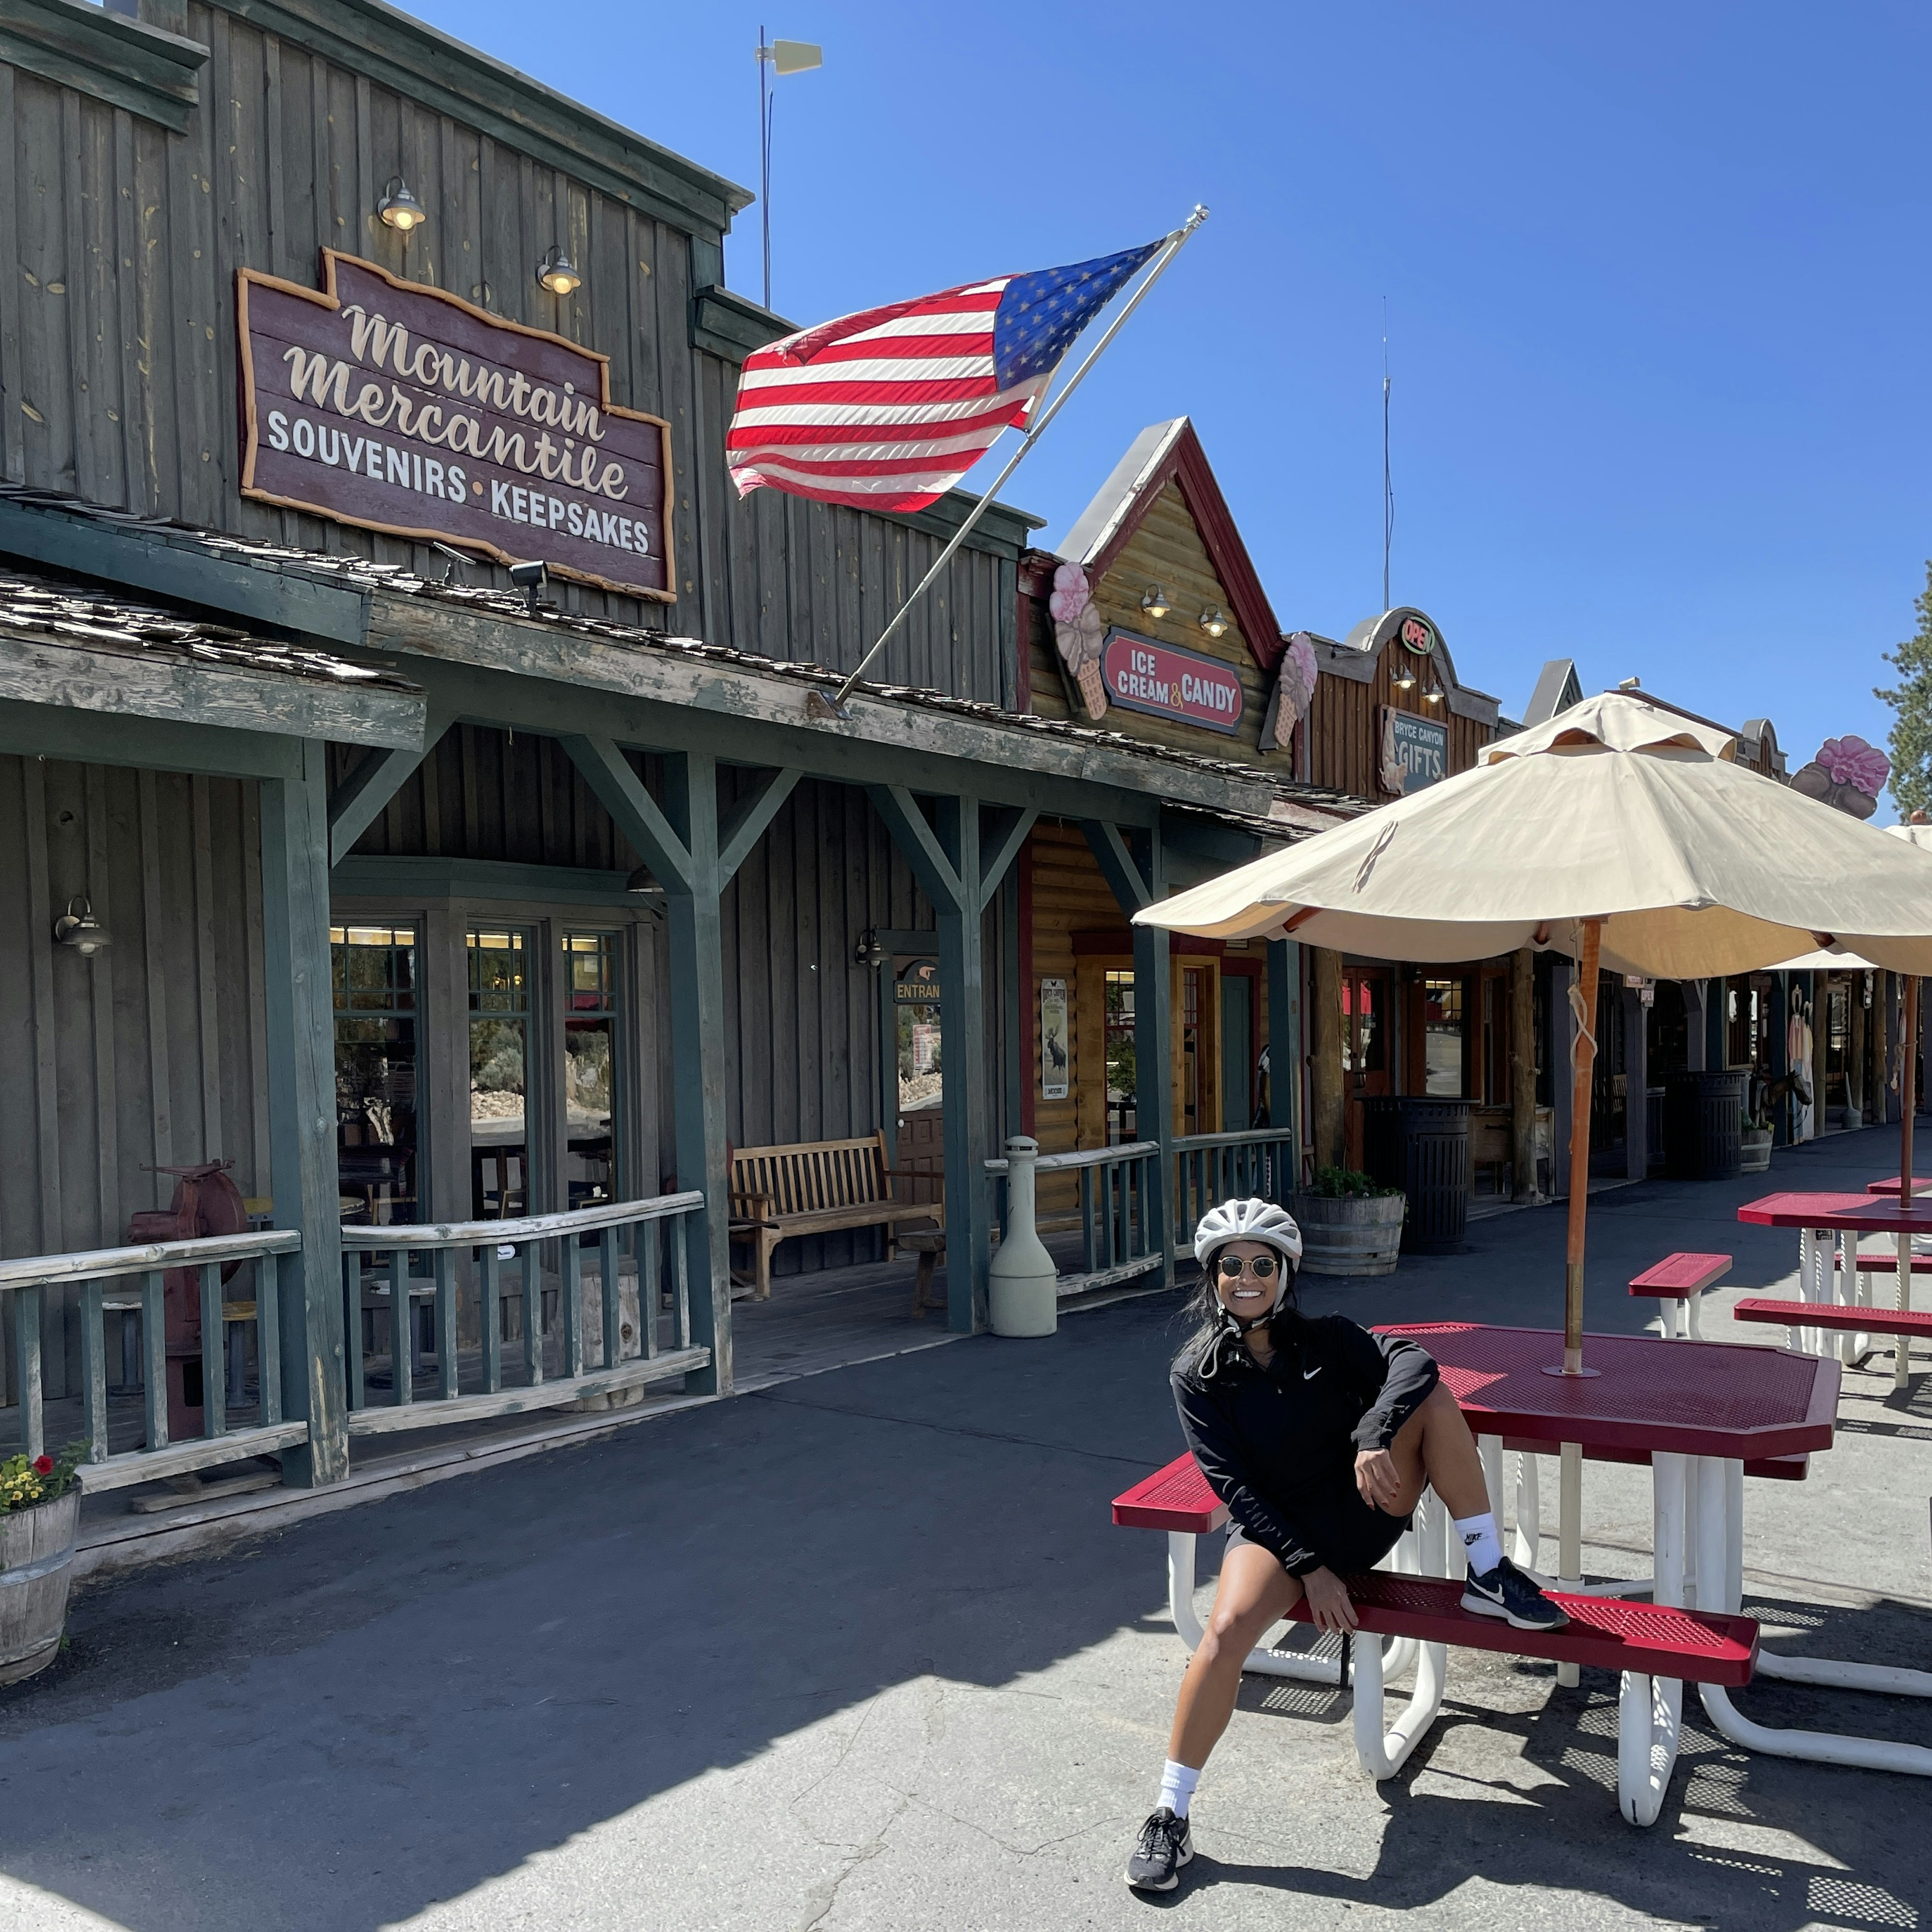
[
  {"x": 373, "y": 970},
  {"x": 590, "y": 1066},
  {"x": 499, "y": 1008}
]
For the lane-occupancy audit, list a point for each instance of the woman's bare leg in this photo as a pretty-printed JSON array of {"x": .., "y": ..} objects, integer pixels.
[
  {"x": 1255, "y": 1591},
  {"x": 1434, "y": 1449}
]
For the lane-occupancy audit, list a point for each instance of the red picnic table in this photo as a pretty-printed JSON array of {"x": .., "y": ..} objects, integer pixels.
[
  {"x": 1825, "y": 1221},
  {"x": 1698, "y": 1412}
]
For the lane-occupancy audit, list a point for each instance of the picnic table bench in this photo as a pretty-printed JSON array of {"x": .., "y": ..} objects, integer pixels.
[
  {"x": 1677, "y": 1281},
  {"x": 1422, "y": 1613},
  {"x": 819, "y": 1187}
]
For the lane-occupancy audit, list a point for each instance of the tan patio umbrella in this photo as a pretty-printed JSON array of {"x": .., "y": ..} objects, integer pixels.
[{"x": 1618, "y": 832}]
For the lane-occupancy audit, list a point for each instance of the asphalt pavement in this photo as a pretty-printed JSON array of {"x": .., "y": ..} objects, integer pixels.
[{"x": 863, "y": 1650}]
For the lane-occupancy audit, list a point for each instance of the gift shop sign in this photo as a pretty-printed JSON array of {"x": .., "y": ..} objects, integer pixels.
[
  {"x": 398, "y": 408},
  {"x": 1415, "y": 751},
  {"x": 1164, "y": 683}
]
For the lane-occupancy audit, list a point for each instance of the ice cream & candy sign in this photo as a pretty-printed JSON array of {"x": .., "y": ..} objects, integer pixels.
[{"x": 1164, "y": 683}]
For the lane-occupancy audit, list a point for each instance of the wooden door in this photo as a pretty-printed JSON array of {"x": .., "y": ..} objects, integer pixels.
[
  {"x": 1195, "y": 1065},
  {"x": 1238, "y": 1051},
  {"x": 1365, "y": 994}
]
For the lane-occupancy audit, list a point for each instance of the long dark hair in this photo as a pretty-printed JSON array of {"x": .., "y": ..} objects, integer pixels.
[{"x": 1212, "y": 1325}]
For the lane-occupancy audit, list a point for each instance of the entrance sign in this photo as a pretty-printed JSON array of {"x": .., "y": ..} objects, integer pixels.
[
  {"x": 1414, "y": 751},
  {"x": 1054, "y": 1057},
  {"x": 1165, "y": 683},
  {"x": 397, "y": 407}
]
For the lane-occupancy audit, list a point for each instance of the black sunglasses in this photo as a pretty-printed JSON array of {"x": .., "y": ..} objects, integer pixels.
[{"x": 1261, "y": 1267}]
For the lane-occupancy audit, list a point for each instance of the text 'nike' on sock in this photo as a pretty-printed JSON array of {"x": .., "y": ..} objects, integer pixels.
[{"x": 1480, "y": 1542}]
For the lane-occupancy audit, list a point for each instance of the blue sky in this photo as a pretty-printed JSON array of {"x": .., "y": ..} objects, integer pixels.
[{"x": 1656, "y": 278}]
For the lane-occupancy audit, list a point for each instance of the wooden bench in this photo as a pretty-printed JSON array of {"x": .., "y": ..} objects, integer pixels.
[
  {"x": 1422, "y": 1614},
  {"x": 1677, "y": 1281},
  {"x": 819, "y": 1187}
]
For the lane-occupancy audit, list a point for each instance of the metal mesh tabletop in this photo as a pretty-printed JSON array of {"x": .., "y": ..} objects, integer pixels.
[
  {"x": 1858, "y": 1214},
  {"x": 1690, "y": 1398}
]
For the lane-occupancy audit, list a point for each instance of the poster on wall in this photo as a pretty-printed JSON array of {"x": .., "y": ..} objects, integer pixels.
[
  {"x": 1054, "y": 1057},
  {"x": 397, "y": 407}
]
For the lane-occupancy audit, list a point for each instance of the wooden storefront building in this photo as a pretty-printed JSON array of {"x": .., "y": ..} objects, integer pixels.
[{"x": 430, "y": 891}]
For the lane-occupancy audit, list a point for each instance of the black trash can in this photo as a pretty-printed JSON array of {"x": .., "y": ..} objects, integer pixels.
[
  {"x": 1422, "y": 1146},
  {"x": 1704, "y": 1125}
]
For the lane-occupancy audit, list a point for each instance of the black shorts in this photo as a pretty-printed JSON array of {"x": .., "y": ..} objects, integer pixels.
[{"x": 1348, "y": 1534}]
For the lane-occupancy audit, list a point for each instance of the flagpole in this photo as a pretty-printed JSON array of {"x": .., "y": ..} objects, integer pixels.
[{"x": 816, "y": 703}]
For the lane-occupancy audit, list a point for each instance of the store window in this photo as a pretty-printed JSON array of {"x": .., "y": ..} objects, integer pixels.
[
  {"x": 1443, "y": 1031},
  {"x": 590, "y": 1067},
  {"x": 373, "y": 969},
  {"x": 500, "y": 1048},
  {"x": 1123, "y": 1117},
  {"x": 1364, "y": 1030}
]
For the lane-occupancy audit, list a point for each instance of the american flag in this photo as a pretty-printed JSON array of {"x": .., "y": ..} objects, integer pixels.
[{"x": 888, "y": 409}]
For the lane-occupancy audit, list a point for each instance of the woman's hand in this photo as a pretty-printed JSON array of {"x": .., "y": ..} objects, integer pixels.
[
  {"x": 1328, "y": 1600},
  {"x": 1375, "y": 1478}
]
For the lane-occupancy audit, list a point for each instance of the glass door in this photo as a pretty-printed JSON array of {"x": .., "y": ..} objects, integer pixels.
[
  {"x": 373, "y": 969},
  {"x": 920, "y": 1147},
  {"x": 590, "y": 1092},
  {"x": 499, "y": 1029},
  {"x": 1365, "y": 1048}
]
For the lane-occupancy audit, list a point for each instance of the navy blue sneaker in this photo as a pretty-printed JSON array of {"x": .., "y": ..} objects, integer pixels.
[
  {"x": 1162, "y": 1848},
  {"x": 1506, "y": 1592}
]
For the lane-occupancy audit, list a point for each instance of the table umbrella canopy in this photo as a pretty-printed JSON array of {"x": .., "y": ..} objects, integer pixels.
[{"x": 1616, "y": 810}]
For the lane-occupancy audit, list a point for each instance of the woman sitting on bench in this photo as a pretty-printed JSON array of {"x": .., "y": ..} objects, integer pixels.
[{"x": 1320, "y": 1438}]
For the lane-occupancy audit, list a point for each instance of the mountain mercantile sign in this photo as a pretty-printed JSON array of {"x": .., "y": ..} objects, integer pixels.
[{"x": 399, "y": 408}]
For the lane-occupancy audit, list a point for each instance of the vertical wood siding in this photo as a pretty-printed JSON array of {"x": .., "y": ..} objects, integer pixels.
[
  {"x": 148, "y": 1055},
  {"x": 1344, "y": 726},
  {"x": 118, "y": 247}
]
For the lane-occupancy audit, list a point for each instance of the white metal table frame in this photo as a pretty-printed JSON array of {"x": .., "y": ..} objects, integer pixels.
[{"x": 1850, "y": 1285}]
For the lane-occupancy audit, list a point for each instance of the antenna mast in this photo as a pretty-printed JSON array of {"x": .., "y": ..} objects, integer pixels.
[{"x": 1388, "y": 491}]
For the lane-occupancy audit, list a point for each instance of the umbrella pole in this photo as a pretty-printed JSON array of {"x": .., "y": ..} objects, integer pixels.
[
  {"x": 1908, "y": 1104},
  {"x": 1579, "y": 1146}
]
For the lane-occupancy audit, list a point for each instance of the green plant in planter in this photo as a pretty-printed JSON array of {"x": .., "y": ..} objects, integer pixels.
[
  {"x": 26, "y": 1483},
  {"x": 1348, "y": 1184}
]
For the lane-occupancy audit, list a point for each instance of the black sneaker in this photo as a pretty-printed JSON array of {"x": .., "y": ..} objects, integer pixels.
[
  {"x": 1163, "y": 1847},
  {"x": 1505, "y": 1591}
]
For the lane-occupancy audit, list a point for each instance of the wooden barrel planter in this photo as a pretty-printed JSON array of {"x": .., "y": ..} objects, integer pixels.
[
  {"x": 1754, "y": 1151},
  {"x": 1350, "y": 1236},
  {"x": 36, "y": 1565}
]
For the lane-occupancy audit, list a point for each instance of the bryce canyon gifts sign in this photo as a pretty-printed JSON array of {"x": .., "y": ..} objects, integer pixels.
[{"x": 398, "y": 408}]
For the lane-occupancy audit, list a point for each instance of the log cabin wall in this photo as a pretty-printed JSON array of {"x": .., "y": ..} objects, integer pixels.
[
  {"x": 127, "y": 207},
  {"x": 152, "y": 1054},
  {"x": 1166, "y": 549},
  {"x": 1344, "y": 723}
]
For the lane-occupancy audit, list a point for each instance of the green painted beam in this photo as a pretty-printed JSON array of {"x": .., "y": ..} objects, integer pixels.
[
  {"x": 356, "y": 803},
  {"x": 300, "y": 1025},
  {"x": 106, "y": 55},
  {"x": 749, "y": 820},
  {"x": 638, "y": 816},
  {"x": 1128, "y": 879},
  {"x": 416, "y": 881},
  {"x": 938, "y": 878},
  {"x": 92, "y": 737},
  {"x": 964, "y": 1097},
  {"x": 1008, "y": 834},
  {"x": 1284, "y": 1041},
  {"x": 138, "y": 558}
]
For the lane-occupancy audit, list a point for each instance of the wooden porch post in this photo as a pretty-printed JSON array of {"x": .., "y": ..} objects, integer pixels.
[
  {"x": 693, "y": 857},
  {"x": 1284, "y": 1046},
  {"x": 1135, "y": 877},
  {"x": 301, "y": 1029},
  {"x": 1329, "y": 1031},
  {"x": 1522, "y": 1073},
  {"x": 959, "y": 867},
  {"x": 1637, "y": 1086}
]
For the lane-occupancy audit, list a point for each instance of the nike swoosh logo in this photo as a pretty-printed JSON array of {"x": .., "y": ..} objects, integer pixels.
[{"x": 1309, "y": 1375}]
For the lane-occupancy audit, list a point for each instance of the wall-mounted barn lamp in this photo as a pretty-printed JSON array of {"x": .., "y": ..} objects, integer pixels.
[
  {"x": 1153, "y": 601},
  {"x": 558, "y": 273},
  {"x": 1433, "y": 695},
  {"x": 869, "y": 952},
  {"x": 399, "y": 208},
  {"x": 77, "y": 927},
  {"x": 1404, "y": 679},
  {"x": 1212, "y": 622}
]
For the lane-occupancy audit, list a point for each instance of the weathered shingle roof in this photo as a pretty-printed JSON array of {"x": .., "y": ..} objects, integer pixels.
[{"x": 65, "y": 610}]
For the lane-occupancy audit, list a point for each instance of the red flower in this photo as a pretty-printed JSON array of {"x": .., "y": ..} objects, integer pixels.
[{"x": 43, "y": 1465}]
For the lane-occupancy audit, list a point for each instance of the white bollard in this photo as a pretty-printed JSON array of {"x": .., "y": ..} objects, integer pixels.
[{"x": 1022, "y": 1292}]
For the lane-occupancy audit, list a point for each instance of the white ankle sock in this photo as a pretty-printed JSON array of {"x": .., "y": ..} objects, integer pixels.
[
  {"x": 1480, "y": 1541},
  {"x": 1176, "y": 1786}
]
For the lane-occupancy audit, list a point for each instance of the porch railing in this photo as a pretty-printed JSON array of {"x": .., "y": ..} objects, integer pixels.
[
  {"x": 128, "y": 1283},
  {"x": 462, "y": 1280},
  {"x": 1212, "y": 1168},
  {"x": 1116, "y": 1243}
]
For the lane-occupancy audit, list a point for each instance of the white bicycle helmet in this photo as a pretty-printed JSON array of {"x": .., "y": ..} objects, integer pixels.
[{"x": 1250, "y": 1220}]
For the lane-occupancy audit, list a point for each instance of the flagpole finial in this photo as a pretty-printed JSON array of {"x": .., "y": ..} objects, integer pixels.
[{"x": 1195, "y": 219}]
